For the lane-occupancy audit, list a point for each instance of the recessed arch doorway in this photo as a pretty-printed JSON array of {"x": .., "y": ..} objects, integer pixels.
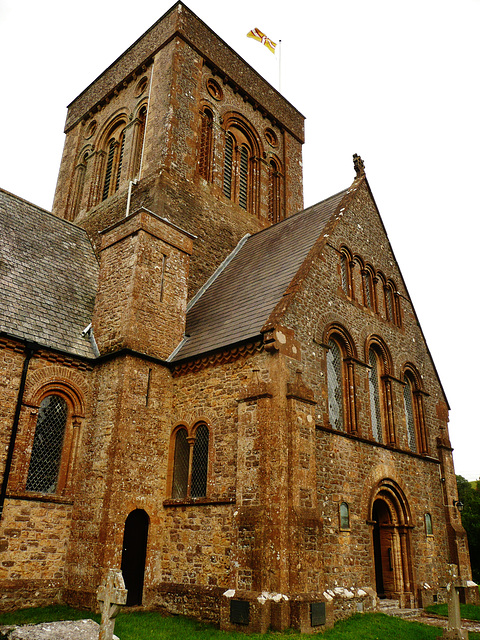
[
  {"x": 391, "y": 541},
  {"x": 134, "y": 553}
]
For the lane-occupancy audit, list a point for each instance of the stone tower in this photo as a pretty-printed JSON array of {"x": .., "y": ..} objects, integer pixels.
[{"x": 180, "y": 125}]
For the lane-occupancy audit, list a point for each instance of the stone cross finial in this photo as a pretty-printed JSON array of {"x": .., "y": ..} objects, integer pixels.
[
  {"x": 112, "y": 595},
  {"x": 454, "y": 630},
  {"x": 359, "y": 165}
]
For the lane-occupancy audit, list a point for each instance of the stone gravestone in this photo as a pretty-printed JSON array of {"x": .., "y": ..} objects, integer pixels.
[
  {"x": 454, "y": 629},
  {"x": 112, "y": 595}
]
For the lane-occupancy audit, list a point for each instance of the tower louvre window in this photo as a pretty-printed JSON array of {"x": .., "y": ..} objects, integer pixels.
[
  {"x": 228, "y": 169},
  {"x": 243, "y": 187},
  {"x": 113, "y": 167},
  {"x": 240, "y": 175},
  {"x": 108, "y": 172}
]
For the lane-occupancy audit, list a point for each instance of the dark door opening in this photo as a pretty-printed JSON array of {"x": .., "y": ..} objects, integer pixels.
[{"x": 134, "y": 554}]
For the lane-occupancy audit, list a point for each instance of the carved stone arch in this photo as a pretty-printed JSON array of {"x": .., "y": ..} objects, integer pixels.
[
  {"x": 391, "y": 522},
  {"x": 118, "y": 119},
  {"x": 48, "y": 380},
  {"x": 380, "y": 346},
  {"x": 410, "y": 369},
  {"x": 54, "y": 403},
  {"x": 235, "y": 119},
  {"x": 336, "y": 329},
  {"x": 396, "y": 497}
]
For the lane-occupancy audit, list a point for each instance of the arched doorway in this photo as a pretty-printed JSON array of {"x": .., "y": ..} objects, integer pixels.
[
  {"x": 134, "y": 553},
  {"x": 391, "y": 522}
]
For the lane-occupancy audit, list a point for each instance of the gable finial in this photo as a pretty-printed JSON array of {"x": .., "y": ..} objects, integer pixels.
[{"x": 359, "y": 165}]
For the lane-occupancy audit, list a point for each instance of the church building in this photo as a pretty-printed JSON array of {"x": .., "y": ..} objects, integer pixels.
[{"x": 223, "y": 394}]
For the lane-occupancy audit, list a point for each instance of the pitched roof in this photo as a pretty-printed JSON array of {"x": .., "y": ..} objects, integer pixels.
[
  {"x": 246, "y": 290},
  {"x": 48, "y": 275}
]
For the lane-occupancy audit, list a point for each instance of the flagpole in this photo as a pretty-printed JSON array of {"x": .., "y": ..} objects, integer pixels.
[{"x": 280, "y": 66}]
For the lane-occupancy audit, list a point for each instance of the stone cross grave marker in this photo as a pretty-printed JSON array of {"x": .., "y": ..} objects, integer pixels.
[
  {"x": 112, "y": 595},
  {"x": 454, "y": 629}
]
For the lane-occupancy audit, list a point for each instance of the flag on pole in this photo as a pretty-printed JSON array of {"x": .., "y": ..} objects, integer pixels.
[{"x": 256, "y": 34}]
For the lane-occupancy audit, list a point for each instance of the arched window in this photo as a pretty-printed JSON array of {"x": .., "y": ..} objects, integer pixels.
[
  {"x": 274, "y": 192},
  {"x": 190, "y": 463},
  {"x": 200, "y": 462},
  {"x": 335, "y": 386},
  {"x": 428, "y": 525},
  {"x": 114, "y": 160},
  {"x": 344, "y": 516},
  {"x": 414, "y": 411},
  {"x": 47, "y": 446},
  {"x": 369, "y": 288},
  {"x": 410, "y": 413},
  {"x": 340, "y": 359},
  {"x": 346, "y": 271},
  {"x": 78, "y": 185},
  {"x": 205, "y": 156},
  {"x": 239, "y": 171},
  {"x": 180, "y": 464},
  {"x": 139, "y": 135},
  {"x": 375, "y": 386}
]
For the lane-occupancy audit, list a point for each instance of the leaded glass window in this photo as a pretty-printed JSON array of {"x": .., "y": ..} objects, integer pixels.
[
  {"x": 180, "y": 465},
  {"x": 375, "y": 401},
  {"x": 47, "y": 445},
  {"x": 409, "y": 415},
  {"x": 335, "y": 386},
  {"x": 200, "y": 462}
]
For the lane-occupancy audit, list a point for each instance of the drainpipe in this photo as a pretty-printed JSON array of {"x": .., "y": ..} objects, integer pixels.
[{"x": 30, "y": 348}]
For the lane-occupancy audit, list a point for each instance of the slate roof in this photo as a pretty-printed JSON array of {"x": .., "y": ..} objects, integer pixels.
[
  {"x": 48, "y": 276},
  {"x": 244, "y": 293}
]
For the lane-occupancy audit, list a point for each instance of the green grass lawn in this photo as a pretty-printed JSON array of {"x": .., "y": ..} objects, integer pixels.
[
  {"x": 467, "y": 611},
  {"x": 143, "y": 625}
]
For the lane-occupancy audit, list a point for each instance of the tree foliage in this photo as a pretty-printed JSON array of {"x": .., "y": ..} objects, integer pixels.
[{"x": 469, "y": 494}]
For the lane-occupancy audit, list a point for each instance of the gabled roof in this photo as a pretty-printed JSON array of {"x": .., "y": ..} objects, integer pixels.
[
  {"x": 245, "y": 291},
  {"x": 48, "y": 275}
]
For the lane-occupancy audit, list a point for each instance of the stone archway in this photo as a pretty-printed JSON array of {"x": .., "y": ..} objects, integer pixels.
[
  {"x": 391, "y": 526},
  {"x": 134, "y": 553}
]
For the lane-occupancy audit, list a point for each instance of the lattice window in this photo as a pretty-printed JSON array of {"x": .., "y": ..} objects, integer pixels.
[
  {"x": 180, "y": 465},
  {"x": 375, "y": 399},
  {"x": 335, "y": 386},
  {"x": 47, "y": 445},
  {"x": 243, "y": 177},
  {"x": 200, "y": 462},
  {"x": 409, "y": 415},
  {"x": 239, "y": 173}
]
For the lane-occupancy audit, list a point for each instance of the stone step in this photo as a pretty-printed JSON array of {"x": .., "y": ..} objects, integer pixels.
[{"x": 391, "y": 608}]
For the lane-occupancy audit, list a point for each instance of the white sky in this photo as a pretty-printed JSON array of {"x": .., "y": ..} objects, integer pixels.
[{"x": 395, "y": 82}]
